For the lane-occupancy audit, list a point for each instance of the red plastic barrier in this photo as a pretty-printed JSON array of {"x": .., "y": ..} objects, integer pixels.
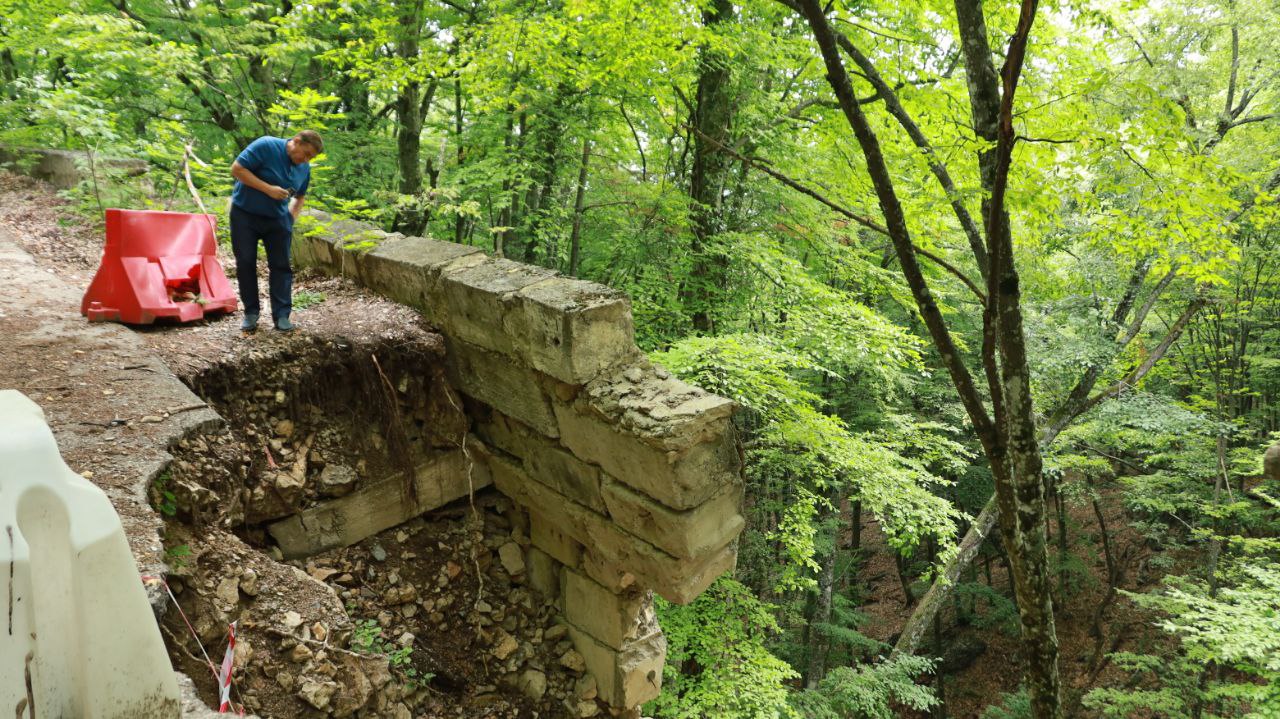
[{"x": 158, "y": 264}]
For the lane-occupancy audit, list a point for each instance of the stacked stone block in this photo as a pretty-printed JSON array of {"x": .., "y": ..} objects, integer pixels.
[{"x": 631, "y": 478}]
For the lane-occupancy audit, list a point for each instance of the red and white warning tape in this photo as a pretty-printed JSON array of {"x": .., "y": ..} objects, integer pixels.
[{"x": 224, "y": 676}]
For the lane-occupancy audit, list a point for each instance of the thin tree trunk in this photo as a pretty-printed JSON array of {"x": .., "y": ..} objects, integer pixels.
[
  {"x": 8, "y": 73},
  {"x": 543, "y": 192},
  {"x": 1063, "y": 542},
  {"x": 1215, "y": 553},
  {"x": 460, "y": 222},
  {"x": 512, "y": 215},
  {"x": 575, "y": 236},
  {"x": 819, "y": 643},
  {"x": 855, "y": 527},
  {"x": 901, "y": 565}
]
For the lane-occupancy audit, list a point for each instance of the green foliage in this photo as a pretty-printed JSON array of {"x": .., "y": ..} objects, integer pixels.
[
  {"x": 1239, "y": 626},
  {"x": 723, "y": 633},
  {"x": 870, "y": 691},
  {"x": 1172, "y": 689},
  {"x": 305, "y": 298},
  {"x": 797, "y": 441},
  {"x": 1236, "y": 628},
  {"x": 367, "y": 638},
  {"x": 1015, "y": 705},
  {"x": 842, "y": 632},
  {"x": 1000, "y": 613},
  {"x": 163, "y": 497},
  {"x": 1127, "y": 159},
  {"x": 177, "y": 556},
  {"x": 306, "y": 110}
]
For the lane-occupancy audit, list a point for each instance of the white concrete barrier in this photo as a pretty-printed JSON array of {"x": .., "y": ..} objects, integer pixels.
[{"x": 77, "y": 636}]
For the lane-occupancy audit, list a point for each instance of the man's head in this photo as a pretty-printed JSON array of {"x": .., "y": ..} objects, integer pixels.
[{"x": 304, "y": 146}]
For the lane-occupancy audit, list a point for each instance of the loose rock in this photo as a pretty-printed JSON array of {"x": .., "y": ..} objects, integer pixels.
[
  {"x": 317, "y": 694},
  {"x": 533, "y": 684},
  {"x": 512, "y": 558}
]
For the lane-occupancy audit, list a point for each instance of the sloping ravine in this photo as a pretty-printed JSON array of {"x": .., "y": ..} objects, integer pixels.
[{"x": 426, "y": 618}]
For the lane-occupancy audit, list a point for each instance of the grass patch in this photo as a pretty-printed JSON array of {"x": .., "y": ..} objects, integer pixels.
[{"x": 304, "y": 299}]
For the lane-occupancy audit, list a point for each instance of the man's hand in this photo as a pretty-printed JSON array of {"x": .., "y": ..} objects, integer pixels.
[{"x": 275, "y": 192}]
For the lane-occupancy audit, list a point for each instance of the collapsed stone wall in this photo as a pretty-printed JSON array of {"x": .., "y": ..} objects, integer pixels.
[
  {"x": 62, "y": 168},
  {"x": 630, "y": 477}
]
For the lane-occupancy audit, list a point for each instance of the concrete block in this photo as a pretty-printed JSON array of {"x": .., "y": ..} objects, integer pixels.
[
  {"x": 81, "y": 640},
  {"x": 502, "y": 432},
  {"x": 544, "y": 573},
  {"x": 479, "y": 296},
  {"x": 571, "y": 329},
  {"x": 627, "y": 677},
  {"x": 408, "y": 270},
  {"x": 678, "y": 478},
  {"x": 544, "y": 460},
  {"x": 559, "y": 546},
  {"x": 320, "y": 241},
  {"x": 678, "y": 580},
  {"x": 344, "y": 521},
  {"x": 311, "y": 250},
  {"x": 495, "y": 380},
  {"x": 691, "y": 533},
  {"x": 606, "y": 573},
  {"x": 611, "y": 619},
  {"x": 564, "y": 473}
]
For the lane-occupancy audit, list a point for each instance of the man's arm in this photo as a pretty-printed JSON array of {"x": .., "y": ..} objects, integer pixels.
[
  {"x": 295, "y": 207},
  {"x": 241, "y": 173}
]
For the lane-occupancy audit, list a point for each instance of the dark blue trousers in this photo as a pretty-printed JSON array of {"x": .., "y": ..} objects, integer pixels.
[{"x": 277, "y": 235}]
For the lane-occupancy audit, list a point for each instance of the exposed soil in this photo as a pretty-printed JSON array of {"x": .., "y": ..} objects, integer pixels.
[
  {"x": 982, "y": 662},
  {"x": 313, "y": 420},
  {"x": 427, "y": 619},
  {"x": 112, "y": 404}
]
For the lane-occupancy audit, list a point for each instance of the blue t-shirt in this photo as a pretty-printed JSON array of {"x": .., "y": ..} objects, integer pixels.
[{"x": 266, "y": 157}]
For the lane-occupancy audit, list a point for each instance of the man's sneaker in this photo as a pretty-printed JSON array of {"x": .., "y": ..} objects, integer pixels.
[
  {"x": 284, "y": 325},
  {"x": 249, "y": 323}
]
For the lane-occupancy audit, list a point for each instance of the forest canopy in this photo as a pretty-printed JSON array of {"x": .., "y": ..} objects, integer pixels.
[{"x": 991, "y": 282}]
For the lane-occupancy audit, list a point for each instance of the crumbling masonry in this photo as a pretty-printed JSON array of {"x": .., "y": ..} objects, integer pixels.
[{"x": 631, "y": 479}]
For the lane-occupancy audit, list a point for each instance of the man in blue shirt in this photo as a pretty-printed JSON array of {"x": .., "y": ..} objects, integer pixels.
[{"x": 272, "y": 175}]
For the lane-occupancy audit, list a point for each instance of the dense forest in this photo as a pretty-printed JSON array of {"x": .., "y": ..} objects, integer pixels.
[{"x": 995, "y": 285}]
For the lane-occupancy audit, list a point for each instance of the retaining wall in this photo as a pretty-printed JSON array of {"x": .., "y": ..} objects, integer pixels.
[
  {"x": 62, "y": 168},
  {"x": 631, "y": 478}
]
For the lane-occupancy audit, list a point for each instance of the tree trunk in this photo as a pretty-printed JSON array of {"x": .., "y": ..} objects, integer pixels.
[
  {"x": 512, "y": 215},
  {"x": 411, "y": 218},
  {"x": 575, "y": 237},
  {"x": 1113, "y": 580},
  {"x": 1063, "y": 541},
  {"x": 355, "y": 104},
  {"x": 855, "y": 527},
  {"x": 903, "y": 579},
  {"x": 1008, "y": 431},
  {"x": 819, "y": 643},
  {"x": 8, "y": 72},
  {"x": 542, "y": 193},
  {"x": 459, "y": 225},
  {"x": 712, "y": 118}
]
